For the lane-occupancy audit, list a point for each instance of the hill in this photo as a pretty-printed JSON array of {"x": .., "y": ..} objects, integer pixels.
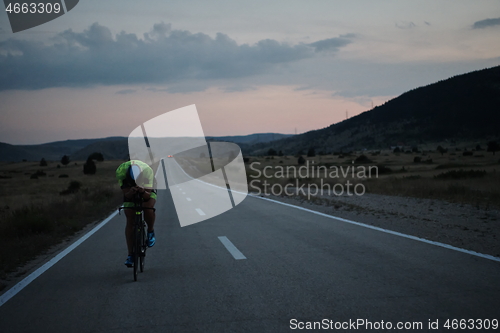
[
  {"x": 112, "y": 147},
  {"x": 464, "y": 107},
  {"x": 251, "y": 138}
]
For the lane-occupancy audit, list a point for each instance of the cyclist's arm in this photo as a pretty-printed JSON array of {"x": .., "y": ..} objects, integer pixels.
[{"x": 129, "y": 192}]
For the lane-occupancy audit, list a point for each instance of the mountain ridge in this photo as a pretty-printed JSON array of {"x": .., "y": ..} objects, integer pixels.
[{"x": 465, "y": 106}]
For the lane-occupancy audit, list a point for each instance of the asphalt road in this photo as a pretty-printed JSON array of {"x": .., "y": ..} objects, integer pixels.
[{"x": 299, "y": 266}]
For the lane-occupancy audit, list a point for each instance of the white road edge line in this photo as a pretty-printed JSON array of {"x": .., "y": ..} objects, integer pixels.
[
  {"x": 418, "y": 239},
  {"x": 450, "y": 247},
  {"x": 231, "y": 248},
  {"x": 200, "y": 211},
  {"x": 27, "y": 280}
]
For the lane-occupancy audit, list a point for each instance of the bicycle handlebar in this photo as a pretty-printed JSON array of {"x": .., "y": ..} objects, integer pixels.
[{"x": 136, "y": 208}]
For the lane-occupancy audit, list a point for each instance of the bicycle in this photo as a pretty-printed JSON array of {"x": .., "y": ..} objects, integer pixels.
[{"x": 140, "y": 237}]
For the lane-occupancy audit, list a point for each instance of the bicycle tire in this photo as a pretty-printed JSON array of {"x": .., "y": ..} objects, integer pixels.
[
  {"x": 137, "y": 251},
  {"x": 142, "y": 258}
]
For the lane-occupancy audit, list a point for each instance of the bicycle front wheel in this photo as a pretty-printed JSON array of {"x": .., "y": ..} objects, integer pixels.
[
  {"x": 142, "y": 258},
  {"x": 137, "y": 250}
]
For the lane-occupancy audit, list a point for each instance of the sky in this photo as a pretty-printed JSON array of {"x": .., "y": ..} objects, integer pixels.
[{"x": 283, "y": 66}]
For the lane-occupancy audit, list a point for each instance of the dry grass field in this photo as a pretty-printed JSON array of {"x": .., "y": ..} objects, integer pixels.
[
  {"x": 34, "y": 215},
  {"x": 450, "y": 176}
]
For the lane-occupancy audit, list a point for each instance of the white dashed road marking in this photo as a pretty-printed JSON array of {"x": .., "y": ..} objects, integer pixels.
[{"x": 231, "y": 248}]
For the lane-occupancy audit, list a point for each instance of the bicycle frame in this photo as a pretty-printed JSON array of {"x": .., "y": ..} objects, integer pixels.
[{"x": 139, "y": 246}]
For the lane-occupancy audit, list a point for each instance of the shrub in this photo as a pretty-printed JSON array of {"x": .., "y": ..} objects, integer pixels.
[
  {"x": 417, "y": 159},
  {"x": 362, "y": 159},
  {"x": 96, "y": 156},
  {"x": 89, "y": 168},
  {"x": 413, "y": 177},
  {"x": 43, "y": 162},
  {"x": 382, "y": 169},
  {"x": 65, "y": 160},
  {"x": 271, "y": 152},
  {"x": 311, "y": 152},
  {"x": 73, "y": 187},
  {"x": 467, "y": 153},
  {"x": 449, "y": 165},
  {"x": 301, "y": 160},
  {"x": 461, "y": 174},
  {"x": 63, "y": 176},
  {"x": 441, "y": 150},
  {"x": 493, "y": 147},
  {"x": 38, "y": 173}
]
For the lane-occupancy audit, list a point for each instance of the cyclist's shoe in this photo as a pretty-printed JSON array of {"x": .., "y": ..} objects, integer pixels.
[
  {"x": 130, "y": 261},
  {"x": 151, "y": 239}
]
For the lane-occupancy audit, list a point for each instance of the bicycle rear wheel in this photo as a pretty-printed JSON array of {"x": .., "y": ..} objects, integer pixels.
[
  {"x": 142, "y": 258},
  {"x": 137, "y": 250}
]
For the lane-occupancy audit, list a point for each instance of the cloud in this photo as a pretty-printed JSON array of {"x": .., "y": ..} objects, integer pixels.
[
  {"x": 162, "y": 56},
  {"x": 405, "y": 25},
  {"x": 126, "y": 91},
  {"x": 239, "y": 88},
  {"x": 332, "y": 44},
  {"x": 486, "y": 23}
]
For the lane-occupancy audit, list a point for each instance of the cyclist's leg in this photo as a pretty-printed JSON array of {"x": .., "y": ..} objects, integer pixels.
[
  {"x": 149, "y": 214},
  {"x": 129, "y": 229}
]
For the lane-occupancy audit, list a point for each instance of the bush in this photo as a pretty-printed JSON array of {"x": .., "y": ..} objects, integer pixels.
[
  {"x": 382, "y": 169},
  {"x": 38, "y": 173},
  {"x": 73, "y": 187},
  {"x": 493, "y": 147},
  {"x": 271, "y": 152},
  {"x": 301, "y": 160},
  {"x": 96, "y": 156},
  {"x": 63, "y": 176},
  {"x": 311, "y": 152},
  {"x": 461, "y": 174},
  {"x": 467, "y": 153},
  {"x": 417, "y": 159},
  {"x": 43, "y": 162},
  {"x": 362, "y": 159},
  {"x": 449, "y": 165},
  {"x": 441, "y": 150},
  {"x": 89, "y": 168},
  {"x": 65, "y": 160}
]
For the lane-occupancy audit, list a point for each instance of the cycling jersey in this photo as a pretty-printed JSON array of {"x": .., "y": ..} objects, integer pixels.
[
  {"x": 147, "y": 179},
  {"x": 147, "y": 175}
]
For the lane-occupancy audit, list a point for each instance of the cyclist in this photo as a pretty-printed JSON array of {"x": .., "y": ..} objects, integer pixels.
[{"x": 137, "y": 177}]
